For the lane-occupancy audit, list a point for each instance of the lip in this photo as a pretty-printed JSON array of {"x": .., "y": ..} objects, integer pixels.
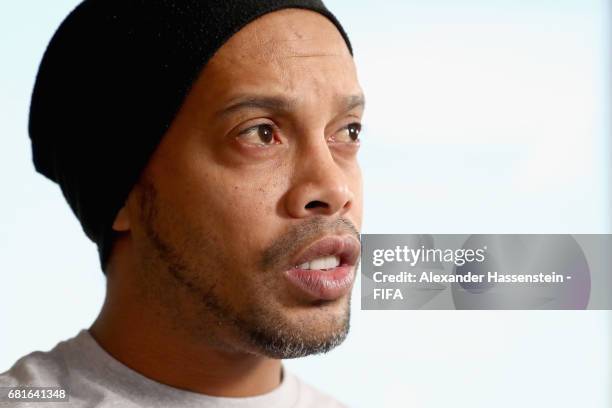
[{"x": 331, "y": 283}]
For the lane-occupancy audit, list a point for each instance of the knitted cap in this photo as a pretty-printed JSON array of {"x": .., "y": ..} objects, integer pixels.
[{"x": 109, "y": 85}]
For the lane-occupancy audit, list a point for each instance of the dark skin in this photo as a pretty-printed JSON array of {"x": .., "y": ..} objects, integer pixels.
[{"x": 260, "y": 161}]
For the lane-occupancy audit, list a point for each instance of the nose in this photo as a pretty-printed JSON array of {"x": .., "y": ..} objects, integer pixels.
[{"x": 320, "y": 184}]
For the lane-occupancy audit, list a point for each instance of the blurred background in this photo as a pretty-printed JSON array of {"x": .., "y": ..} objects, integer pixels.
[{"x": 483, "y": 116}]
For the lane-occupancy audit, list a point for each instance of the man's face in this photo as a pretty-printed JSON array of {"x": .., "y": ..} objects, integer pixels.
[{"x": 259, "y": 165}]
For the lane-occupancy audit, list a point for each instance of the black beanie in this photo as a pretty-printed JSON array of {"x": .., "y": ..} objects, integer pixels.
[{"x": 110, "y": 83}]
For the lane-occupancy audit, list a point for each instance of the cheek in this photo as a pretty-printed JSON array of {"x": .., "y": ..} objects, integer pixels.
[{"x": 235, "y": 205}]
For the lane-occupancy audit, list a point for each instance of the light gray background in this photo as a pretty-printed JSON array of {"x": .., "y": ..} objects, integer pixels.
[{"x": 484, "y": 116}]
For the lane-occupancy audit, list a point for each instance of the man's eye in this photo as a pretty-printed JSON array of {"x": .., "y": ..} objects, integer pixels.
[
  {"x": 349, "y": 134},
  {"x": 259, "y": 135}
]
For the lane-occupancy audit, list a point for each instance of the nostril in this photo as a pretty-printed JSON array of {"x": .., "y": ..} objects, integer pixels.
[{"x": 316, "y": 204}]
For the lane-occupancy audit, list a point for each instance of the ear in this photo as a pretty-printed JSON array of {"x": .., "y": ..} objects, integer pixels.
[{"x": 122, "y": 220}]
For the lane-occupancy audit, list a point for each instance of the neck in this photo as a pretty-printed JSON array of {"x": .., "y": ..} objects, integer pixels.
[{"x": 138, "y": 338}]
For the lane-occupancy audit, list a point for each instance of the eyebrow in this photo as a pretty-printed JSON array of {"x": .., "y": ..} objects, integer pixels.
[{"x": 283, "y": 104}]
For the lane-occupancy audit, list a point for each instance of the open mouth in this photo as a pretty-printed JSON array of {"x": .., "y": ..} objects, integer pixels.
[
  {"x": 325, "y": 270},
  {"x": 324, "y": 263}
]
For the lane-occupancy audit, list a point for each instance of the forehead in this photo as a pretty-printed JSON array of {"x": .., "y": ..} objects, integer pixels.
[
  {"x": 291, "y": 51},
  {"x": 286, "y": 33}
]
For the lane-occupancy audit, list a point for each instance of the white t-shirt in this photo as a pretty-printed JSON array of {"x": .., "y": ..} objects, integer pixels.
[{"x": 93, "y": 378}]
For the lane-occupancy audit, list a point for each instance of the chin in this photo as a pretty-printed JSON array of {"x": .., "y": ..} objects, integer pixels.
[{"x": 300, "y": 331}]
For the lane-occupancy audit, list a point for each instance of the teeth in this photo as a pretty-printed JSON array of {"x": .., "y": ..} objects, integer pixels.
[{"x": 326, "y": 262}]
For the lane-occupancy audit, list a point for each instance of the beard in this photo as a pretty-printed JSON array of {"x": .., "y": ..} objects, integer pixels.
[{"x": 261, "y": 327}]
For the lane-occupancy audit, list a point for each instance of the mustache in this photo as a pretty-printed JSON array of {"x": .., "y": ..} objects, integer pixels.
[{"x": 279, "y": 253}]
